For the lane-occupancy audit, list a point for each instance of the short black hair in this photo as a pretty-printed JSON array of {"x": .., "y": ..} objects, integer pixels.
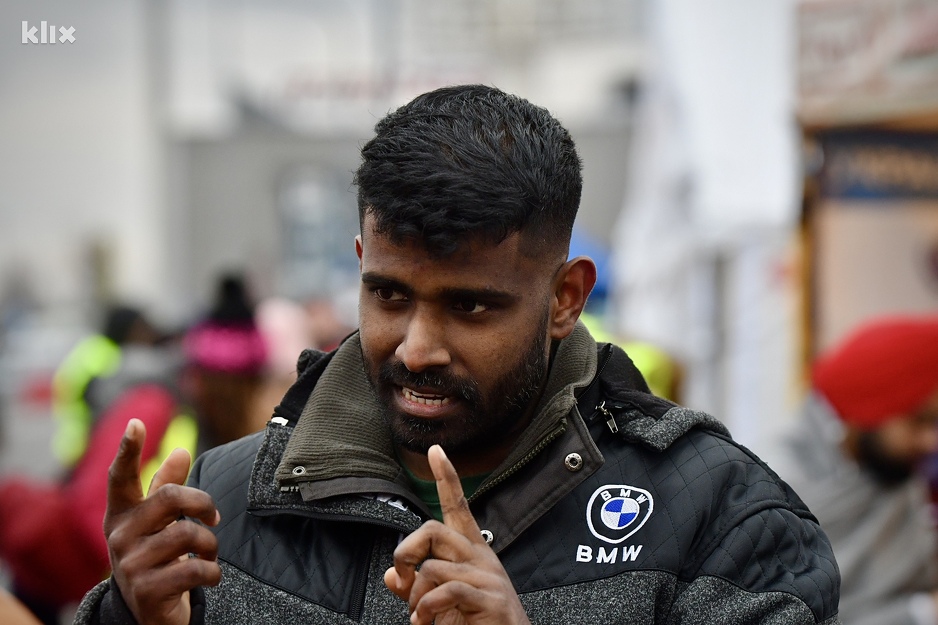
[{"x": 470, "y": 162}]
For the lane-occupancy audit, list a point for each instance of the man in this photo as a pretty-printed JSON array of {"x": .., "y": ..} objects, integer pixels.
[
  {"x": 567, "y": 492},
  {"x": 869, "y": 421}
]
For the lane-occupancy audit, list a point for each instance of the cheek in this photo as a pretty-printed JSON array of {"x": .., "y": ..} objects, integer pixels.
[
  {"x": 378, "y": 334},
  {"x": 489, "y": 356}
]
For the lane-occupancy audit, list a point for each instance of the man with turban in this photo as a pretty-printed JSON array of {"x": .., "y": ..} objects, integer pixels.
[{"x": 868, "y": 423}]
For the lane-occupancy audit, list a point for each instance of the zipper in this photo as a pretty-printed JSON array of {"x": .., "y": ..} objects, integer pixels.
[
  {"x": 606, "y": 357},
  {"x": 552, "y": 435},
  {"x": 610, "y": 418},
  {"x": 548, "y": 438},
  {"x": 360, "y": 586}
]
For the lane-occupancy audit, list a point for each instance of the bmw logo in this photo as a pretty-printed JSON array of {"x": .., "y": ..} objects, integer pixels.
[{"x": 616, "y": 511}]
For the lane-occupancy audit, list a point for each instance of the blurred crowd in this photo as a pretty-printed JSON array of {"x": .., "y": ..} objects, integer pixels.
[{"x": 213, "y": 381}]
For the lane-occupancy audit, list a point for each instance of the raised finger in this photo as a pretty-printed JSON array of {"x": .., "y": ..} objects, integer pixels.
[
  {"x": 123, "y": 484},
  {"x": 456, "y": 513}
]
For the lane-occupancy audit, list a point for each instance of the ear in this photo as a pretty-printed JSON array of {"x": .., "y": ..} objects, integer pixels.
[
  {"x": 358, "y": 251},
  {"x": 572, "y": 286}
]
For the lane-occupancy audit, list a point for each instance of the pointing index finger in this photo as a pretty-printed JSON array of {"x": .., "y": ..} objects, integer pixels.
[
  {"x": 456, "y": 513},
  {"x": 124, "y": 490}
]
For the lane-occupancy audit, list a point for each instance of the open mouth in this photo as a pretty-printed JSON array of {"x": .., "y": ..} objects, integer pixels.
[{"x": 427, "y": 399}]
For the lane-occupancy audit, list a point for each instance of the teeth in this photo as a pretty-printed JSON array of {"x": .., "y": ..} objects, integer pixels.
[{"x": 429, "y": 400}]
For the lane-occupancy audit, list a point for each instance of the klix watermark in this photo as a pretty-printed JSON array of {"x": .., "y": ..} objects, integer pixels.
[{"x": 47, "y": 33}]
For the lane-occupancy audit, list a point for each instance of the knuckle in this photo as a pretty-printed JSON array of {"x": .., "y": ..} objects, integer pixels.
[
  {"x": 189, "y": 530},
  {"x": 194, "y": 536},
  {"x": 430, "y": 569},
  {"x": 115, "y": 473},
  {"x": 117, "y": 538},
  {"x": 132, "y": 566},
  {"x": 457, "y": 505},
  {"x": 168, "y": 494}
]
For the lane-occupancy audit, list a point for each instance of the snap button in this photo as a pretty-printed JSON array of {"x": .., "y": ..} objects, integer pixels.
[
  {"x": 487, "y": 536},
  {"x": 573, "y": 462},
  {"x": 299, "y": 470}
]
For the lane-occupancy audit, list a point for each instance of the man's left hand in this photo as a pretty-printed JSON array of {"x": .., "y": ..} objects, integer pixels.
[{"x": 460, "y": 579}]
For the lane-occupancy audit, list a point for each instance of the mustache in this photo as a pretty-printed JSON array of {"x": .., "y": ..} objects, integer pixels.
[{"x": 442, "y": 382}]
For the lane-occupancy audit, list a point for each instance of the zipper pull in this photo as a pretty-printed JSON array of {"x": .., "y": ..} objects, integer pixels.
[{"x": 610, "y": 420}]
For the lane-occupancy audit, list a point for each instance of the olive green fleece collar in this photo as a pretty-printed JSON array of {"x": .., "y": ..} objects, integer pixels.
[{"x": 342, "y": 433}]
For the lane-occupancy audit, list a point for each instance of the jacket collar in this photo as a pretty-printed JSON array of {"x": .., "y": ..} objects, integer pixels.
[{"x": 342, "y": 445}]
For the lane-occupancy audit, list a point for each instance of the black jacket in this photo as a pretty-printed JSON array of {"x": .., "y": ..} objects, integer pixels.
[{"x": 619, "y": 507}]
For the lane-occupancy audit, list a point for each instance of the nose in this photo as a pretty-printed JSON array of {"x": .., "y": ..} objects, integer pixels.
[{"x": 424, "y": 344}]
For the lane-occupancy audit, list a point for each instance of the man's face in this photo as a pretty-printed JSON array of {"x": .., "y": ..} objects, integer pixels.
[
  {"x": 894, "y": 450},
  {"x": 456, "y": 347}
]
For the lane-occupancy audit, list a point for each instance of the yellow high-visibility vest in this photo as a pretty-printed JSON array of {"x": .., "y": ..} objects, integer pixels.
[
  {"x": 94, "y": 357},
  {"x": 655, "y": 365},
  {"x": 182, "y": 432}
]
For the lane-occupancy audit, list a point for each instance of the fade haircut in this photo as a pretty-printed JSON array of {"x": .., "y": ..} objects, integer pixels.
[{"x": 471, "y": 162}]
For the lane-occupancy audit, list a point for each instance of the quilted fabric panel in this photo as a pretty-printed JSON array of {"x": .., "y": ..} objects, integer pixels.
[
  {"x": 284, "y": 550},
  {"x": 709, "y": 495},
  {"x": 776, "y": 550}
]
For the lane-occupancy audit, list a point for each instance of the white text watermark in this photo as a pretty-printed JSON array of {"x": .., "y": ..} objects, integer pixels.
[{"x": 47, "y": 33}]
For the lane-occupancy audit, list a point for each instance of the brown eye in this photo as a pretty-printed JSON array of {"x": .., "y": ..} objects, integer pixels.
[
  {"x": 387, "y": 294},
  {"x": 471, "y": 307}
]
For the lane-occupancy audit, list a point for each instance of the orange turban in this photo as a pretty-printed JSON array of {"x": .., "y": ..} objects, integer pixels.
[{"x": 886, "y": 368}]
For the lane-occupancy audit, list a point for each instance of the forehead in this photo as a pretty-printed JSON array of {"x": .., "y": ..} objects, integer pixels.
[{"x": 475, "y": 264}]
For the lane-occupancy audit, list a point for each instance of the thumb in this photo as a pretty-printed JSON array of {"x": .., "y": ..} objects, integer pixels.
[{"x": 173, "y": 470}]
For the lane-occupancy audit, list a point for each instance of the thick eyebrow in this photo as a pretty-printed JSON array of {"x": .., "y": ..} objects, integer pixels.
[
  {"x": 369, "y": 278},
  {"x": 493, "y": 296}
]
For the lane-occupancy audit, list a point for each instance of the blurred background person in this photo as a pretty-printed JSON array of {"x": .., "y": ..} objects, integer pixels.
[
  {"x": 50, "y": 533},
  {"x": 93, "y": 359},
  {"x": 289, "y": 327},
  {"x": 226, "y": 357},
  {"x": 869, "y": 421}
]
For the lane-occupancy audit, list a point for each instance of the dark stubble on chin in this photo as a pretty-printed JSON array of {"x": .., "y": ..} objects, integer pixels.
[
  {"x": 887, "y": 470},
  {"x": 483, "y": 421}
]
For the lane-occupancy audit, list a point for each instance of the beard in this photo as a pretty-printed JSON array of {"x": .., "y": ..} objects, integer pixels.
[
  {"x": 887, "y": 469},
  {"x": 484, "y": 418}
]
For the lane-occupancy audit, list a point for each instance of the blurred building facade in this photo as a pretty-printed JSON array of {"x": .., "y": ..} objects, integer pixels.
[{"x": 174, "y": 139}]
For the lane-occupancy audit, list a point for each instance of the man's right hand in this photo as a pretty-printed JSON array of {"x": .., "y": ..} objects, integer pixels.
[{"x": 148, "y": 547}]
